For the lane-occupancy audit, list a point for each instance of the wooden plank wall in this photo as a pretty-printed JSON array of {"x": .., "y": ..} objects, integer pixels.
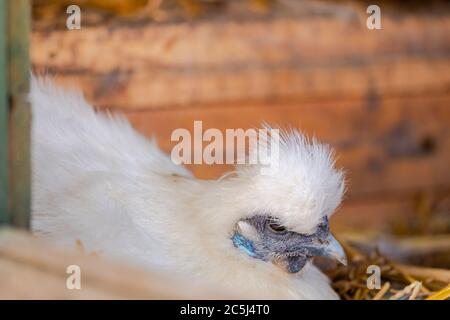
[{"x": 381, "y": 97}]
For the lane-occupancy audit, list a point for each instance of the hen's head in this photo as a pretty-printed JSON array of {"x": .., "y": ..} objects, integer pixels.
[{"x": 282, "y": 216}]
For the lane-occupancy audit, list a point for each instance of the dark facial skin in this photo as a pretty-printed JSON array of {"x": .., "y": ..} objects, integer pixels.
[{"x": 290, "y": 249}]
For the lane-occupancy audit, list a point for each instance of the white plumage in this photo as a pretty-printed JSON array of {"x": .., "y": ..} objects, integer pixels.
[{"x": 98, "y": 180}]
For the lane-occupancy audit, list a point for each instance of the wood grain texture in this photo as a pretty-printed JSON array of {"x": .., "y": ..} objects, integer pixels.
[
  {"x": 31, "y": 268},
  {"x": 4, "y": 159},
  {"x": 19, "y": 113},
  {"x": 152, "y": 65},
  {"x": 15, "y": 106}
]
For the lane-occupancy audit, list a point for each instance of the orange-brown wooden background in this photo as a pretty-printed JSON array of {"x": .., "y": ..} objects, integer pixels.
[{"x": 380, "y": 97}]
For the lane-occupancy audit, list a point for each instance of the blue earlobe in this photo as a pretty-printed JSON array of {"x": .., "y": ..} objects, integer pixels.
[{"x": 244, "y": 244}]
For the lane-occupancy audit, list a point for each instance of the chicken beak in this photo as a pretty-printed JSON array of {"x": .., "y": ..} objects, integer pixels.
[
  {"x": 330, "y": 249},
  {"x": 334, "y": 250}
]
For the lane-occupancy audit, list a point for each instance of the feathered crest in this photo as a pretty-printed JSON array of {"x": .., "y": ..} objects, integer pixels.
[
  {"x": 298, "y": 170},
  {"x": 285, "y": 149}
]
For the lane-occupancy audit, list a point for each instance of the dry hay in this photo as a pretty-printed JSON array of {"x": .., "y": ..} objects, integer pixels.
[{"x": 398, "y": 282}]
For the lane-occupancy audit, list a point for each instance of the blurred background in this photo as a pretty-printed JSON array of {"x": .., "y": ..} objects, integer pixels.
[{"x": 380, "y": 97}]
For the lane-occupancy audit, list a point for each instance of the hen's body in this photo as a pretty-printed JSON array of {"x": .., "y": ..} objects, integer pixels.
[{"x": 95, "y": 179}]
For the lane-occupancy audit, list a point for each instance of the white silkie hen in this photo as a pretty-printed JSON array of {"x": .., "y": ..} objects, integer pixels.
[{"x": 98, "y": 180}]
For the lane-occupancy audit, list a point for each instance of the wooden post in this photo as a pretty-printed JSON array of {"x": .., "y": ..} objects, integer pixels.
[
  {"x": 15, "y": 113},
  {"x": 4, "y": 217}
]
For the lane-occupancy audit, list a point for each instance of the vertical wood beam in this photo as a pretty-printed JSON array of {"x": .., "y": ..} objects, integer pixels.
[
  {"x": 4, "y": 216},
  {"x": 15, "y": 84}
]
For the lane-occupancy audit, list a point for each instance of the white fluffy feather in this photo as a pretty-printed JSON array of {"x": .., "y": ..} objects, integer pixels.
[{"x": 97, "y": 180}]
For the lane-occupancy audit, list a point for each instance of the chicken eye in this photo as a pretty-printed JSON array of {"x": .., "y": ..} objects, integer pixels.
[{"x": 276, "y": 227}]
